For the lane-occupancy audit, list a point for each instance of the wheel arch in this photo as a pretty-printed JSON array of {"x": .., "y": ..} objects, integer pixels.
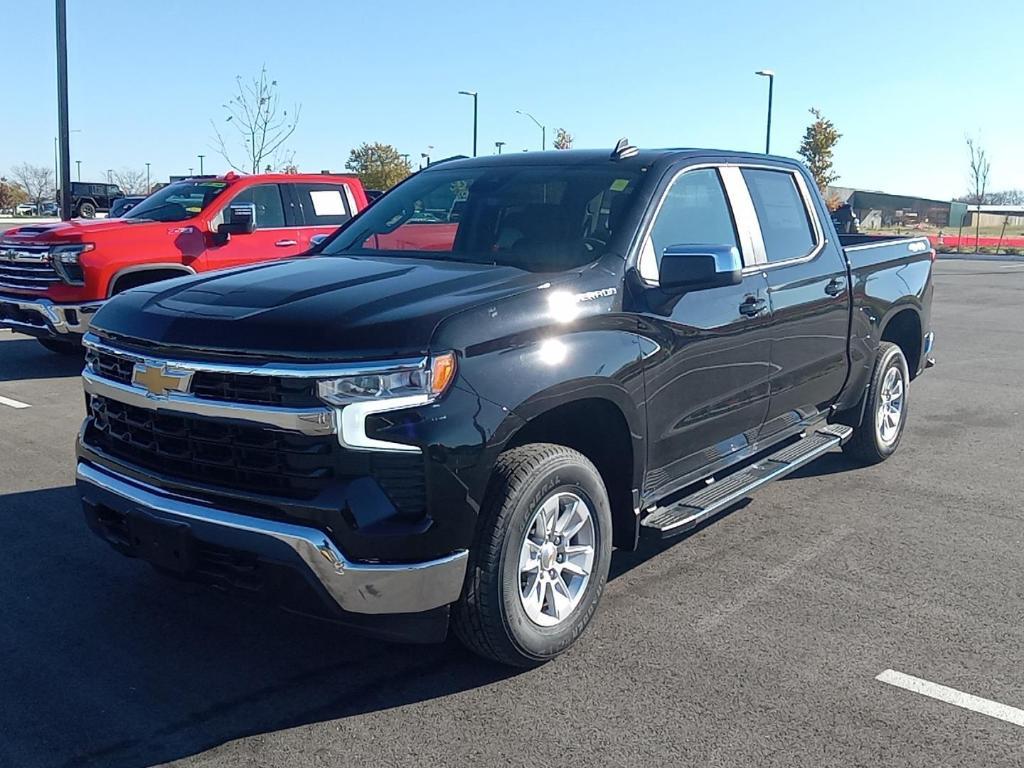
[
  {"x": 903, "y": 327},
  {"x": 143, "y": 274}
]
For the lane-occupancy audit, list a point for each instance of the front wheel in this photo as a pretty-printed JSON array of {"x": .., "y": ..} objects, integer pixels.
[
  {"x": 881, "y": 426},
  {"x": 87, "y": 211},
  {"x": 540, "y": 560}
]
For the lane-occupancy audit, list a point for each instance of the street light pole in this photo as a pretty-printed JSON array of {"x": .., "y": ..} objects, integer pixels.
[
  {"x": 499, "y": 145},
  {"x": 770, "y": 74},
  {"x": 78, "y": 164},
  {"x": 62, "y": 110},
  {"x": 201, "y": 164},
  {"x": 475, "y": 95},
  {"x": 147, "y": 179},
  {"x": 543, "y": 130}
]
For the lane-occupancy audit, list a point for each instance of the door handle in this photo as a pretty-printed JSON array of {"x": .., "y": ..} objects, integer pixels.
[
  {"x": 752, "y": 306},
  {"x": 835, "y": 286},
  {"x": 286, "y": 243}
]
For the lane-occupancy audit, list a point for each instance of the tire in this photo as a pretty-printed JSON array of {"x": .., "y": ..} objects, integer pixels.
[
  {"x": 493, "y": 617},
  {"x": 880, "y": 431},
  {"x": 62, "y": 347},
  {"x": 87, "y": 211}
]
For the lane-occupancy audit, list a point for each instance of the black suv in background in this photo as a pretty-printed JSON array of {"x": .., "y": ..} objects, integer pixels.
[
  {"x": 89, "y": 198},
  {"x": 497, "y": 371}
]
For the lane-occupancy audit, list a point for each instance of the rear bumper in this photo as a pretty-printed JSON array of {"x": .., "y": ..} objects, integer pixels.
[
  {"x": 113, "y": 504},
  {"x": 42, "y": 317}
]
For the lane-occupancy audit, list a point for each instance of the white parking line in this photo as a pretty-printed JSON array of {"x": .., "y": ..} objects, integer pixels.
[
  {"x": 13, "y": 403},
  {"x": 953, "y": 696}
]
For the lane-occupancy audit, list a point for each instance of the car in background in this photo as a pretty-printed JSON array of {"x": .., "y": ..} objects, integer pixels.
[
  {"x": 49, "y": 209},
  {"x": 122, "y": 205},
  {"x": 25, "y": 209},
  {"x": 55, "y": 275},
  {"x": 89, "y": 198}
]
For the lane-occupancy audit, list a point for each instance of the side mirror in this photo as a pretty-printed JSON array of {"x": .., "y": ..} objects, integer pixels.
[
  {"x": 317, "y": 239},
  {"x": 239, "y": 219},
  {"x": 698, "y": 267}
]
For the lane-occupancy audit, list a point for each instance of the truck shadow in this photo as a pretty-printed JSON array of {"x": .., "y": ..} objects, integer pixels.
[
  {"x": 105, "y": 662},
  {"x": 22, "y": 358}
]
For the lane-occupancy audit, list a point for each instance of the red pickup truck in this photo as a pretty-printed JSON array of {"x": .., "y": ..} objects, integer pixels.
[{"x": 54, "y": 277}]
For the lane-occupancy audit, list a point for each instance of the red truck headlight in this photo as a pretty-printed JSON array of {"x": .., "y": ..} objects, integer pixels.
[{"x": 64, "y": 259}]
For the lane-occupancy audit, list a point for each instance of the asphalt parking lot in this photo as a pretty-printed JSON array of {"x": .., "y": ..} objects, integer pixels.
[{"x": 756, "y": 640}]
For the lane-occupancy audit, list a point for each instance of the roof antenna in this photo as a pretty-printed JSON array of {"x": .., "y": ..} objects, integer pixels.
[{"x": 624, "y": 149}]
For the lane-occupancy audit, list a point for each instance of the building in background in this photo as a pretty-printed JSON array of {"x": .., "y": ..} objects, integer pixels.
[{"x": 881, "y": 210}]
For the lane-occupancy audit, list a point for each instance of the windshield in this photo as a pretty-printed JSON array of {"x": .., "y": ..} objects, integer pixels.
[
  {"x": 177, "y": 202},
  {"x": 542, "y": 218}
]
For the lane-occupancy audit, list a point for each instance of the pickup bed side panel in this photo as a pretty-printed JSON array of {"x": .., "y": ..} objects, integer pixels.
[{"x": 887, "y": 277}]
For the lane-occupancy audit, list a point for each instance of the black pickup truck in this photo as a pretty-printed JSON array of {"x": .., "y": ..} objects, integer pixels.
[{"x": 436, "y": 421}]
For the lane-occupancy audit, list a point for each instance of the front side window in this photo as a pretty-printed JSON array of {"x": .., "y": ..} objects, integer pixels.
[
  {"x": 539, "y": 218},
  {"x": 267, "y": 200},
  {"x": 695, "y": 211},
  {"x": 178, "y": 201},
  {"x": 785, "y": 225}
]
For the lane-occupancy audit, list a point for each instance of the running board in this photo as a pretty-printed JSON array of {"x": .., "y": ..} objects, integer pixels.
[{"x": 684, "y": 514}]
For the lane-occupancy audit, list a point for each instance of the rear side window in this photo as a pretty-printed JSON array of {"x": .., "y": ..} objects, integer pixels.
[
  {"x": 267, "y": 199},
  {"x": 785, "y": 225},
  {"x": 323, "y": 205}
]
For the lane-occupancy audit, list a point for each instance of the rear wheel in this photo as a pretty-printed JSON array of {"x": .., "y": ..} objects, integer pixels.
[
  {"x": 539, "y": 564},
  {"x": 87, "y": 211},
  {"x": 62, "y": 347},
  {"x": 878, "y": 435}
]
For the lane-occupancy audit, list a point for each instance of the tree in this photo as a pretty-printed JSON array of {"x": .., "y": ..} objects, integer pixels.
[
  {"x": 131, "y": 181},
  {"x": 819, "y": 140},
  {"x": 378, "y": 166},
  {"x": 1006, "y": 197},
  {"x": 11, "y": 195},
  {"x": 979, "y": 169},
  {"x": 36, "y": 181},
  {"x": 563, "y": 139},
  {"x": 262, "y": 125}
]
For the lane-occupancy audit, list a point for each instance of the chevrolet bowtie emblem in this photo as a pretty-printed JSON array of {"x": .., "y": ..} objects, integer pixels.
[{"x": 158, "y": 379}]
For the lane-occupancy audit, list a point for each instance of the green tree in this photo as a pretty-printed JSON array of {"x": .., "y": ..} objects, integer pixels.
[
  {"x": 819, "y": 141},
  {"x": 378, "y": 166},
  {"x": 563, "y": 139}
]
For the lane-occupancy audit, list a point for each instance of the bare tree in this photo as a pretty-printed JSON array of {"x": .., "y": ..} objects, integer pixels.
[
  {"x": 979, "y": 181},
  {"x": 262, "y": 125},
  {"x": 132, "y": 181},
  {"x": 36, "y": 180}
]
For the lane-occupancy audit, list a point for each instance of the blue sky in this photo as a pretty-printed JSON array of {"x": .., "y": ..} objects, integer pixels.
[{"x": 903, "y": 81}]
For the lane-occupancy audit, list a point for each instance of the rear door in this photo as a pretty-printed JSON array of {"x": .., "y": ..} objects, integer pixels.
[
  {"x": 274, "y": 237},
  {"x": 809, "y": 295},
  {"x": 708, "y": 366},
  {"x": 320, "y": 207}
]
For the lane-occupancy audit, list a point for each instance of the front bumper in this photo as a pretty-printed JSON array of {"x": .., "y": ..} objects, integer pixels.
[
  {"x": 113, "y": 502},
  {"x": 42, "y": 317}
]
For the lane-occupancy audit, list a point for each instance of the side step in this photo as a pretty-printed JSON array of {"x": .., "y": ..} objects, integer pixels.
[{"x": 684, "y": 514}]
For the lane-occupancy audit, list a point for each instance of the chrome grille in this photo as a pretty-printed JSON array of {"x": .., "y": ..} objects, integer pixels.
[{"x": 26, "y": 267}]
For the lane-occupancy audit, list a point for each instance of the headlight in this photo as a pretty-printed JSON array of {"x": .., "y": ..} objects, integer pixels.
[
  {"x": 422, "y": 382},
  {"x": 64, "y": 259},
  {"x": 68, "y": 254}
]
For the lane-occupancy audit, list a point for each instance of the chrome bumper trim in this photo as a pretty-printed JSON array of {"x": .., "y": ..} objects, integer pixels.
[
  {"x": 306, "y": 421},
  {"x": 54, "y": 316},
  {"x": 372, "y": 588}
]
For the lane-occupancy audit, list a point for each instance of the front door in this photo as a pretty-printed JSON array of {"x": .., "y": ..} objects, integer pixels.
[
  {"x": 707, "y": 352},
  {"x": 274, "y": 238},
  {"x": 809, "y": 296}
]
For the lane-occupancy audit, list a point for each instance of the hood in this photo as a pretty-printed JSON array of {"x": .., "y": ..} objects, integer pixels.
[
  {"x": 324, "y": 308},
  {"x": 83, "y": 230}
]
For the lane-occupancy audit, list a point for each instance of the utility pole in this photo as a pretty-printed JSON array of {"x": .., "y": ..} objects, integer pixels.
[{"x": 62, "y": 110}]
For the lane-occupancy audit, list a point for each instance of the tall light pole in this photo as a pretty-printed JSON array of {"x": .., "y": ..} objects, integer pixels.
[
  {"x": 498, "y": 145},
  {"x": 110, "y": 174},
  {"x": 543, "y": 130},
  {"x": 770, "y": 74},
  {"x": 201, "y": 164},
  {"x": 475, "y": 95},
  {"x": 78, "y": 164},
  {"x": 62, "y": 110},
  {"x": 148, "y": 187}
]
